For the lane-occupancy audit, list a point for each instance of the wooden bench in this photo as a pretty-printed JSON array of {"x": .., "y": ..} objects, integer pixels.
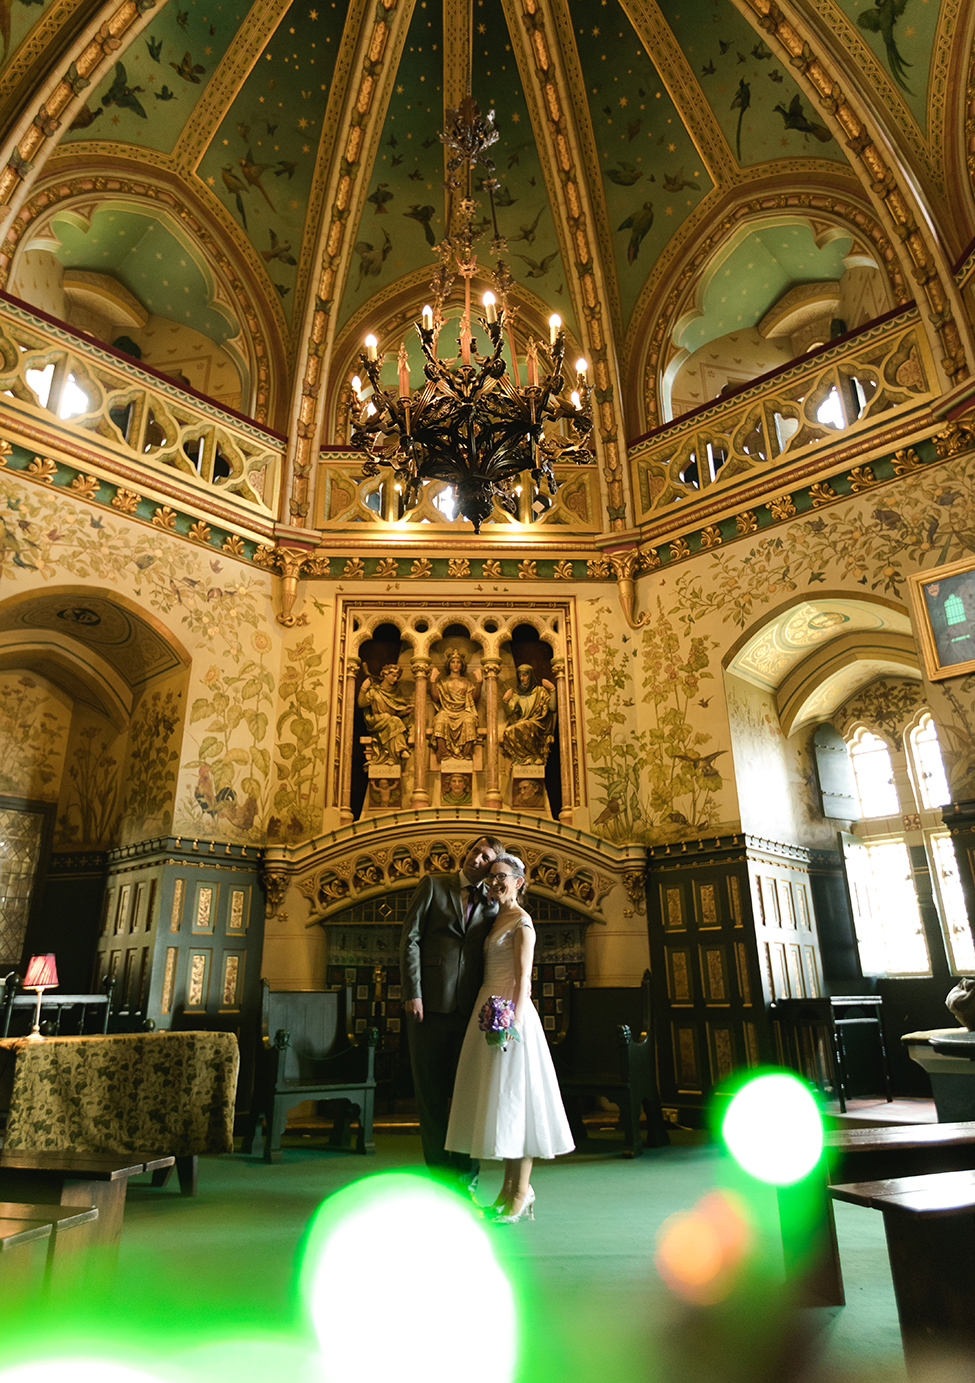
[
  {"x": 929, "y": 1222},
  {"x": 69, "y": 1234},
  {"x": 809, "y": 1242},
  {"x": 308, "y": 1052},
  {"x": 82, "y": 1180},
  {"x": 23, "y": 1260},
  {"x": 606, "y": 1048}
]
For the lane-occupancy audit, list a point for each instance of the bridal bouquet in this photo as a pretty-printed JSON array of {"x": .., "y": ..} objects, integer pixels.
[{"x": 497, "y": 1021}]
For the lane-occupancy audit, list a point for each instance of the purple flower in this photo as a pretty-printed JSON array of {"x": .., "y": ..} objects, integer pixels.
[{"x": 497, "y": 1021}]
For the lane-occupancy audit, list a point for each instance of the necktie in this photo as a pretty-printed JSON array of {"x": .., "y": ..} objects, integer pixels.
[{"x": 472, "y": 898}]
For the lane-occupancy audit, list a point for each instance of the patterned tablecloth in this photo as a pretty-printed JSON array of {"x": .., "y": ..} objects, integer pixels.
[{"x": 165, "y": 1092}]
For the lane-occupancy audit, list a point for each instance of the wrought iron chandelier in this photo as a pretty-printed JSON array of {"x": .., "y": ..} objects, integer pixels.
[{"x": 471, "y": 424}]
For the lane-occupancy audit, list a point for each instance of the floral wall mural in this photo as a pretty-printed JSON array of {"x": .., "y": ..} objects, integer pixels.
[
  {"x": 34, "y": 722},
  {"x": 653, "y": 782},
  {"x": 151, "y": 766},
  {"x": 302, "y": 751},
  {"x": 216, "y": 607},
  {"x": 91, "y": 798}
]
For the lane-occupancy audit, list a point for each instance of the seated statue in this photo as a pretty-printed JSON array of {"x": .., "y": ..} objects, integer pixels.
[
  {"x": 530, "y": 708},
  {"x": 455, "y": 724},
  {"x": 387, "y": 716}
]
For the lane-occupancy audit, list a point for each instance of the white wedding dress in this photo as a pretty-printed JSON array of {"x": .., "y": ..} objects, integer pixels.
[{"x": 506, "y": 1103}]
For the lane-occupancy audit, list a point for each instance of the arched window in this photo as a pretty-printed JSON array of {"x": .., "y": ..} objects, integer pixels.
[
  {"x": 873, "y": 774},
  {"x": 929, "y": 769}
]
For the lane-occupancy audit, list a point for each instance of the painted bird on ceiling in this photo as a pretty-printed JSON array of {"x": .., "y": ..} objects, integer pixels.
[
  {"x": 677, "y": 182},
  {"x": 188, "y": 69},
  {"x": 638, "y": 224},
  {"x": 527, "y": 233},
  {"x": 379, "y": 198},
  {"x": 538, "y": 270},
  {"x": 85, "y": 117},
  {"x": 155, "y": 48},
  {"x": 742, "y": 101},
  {"x": 796, "y": 119},
  {"x": 122, "y": 95},
  {"x": 881, "y": 20},
  {"x": 280, "y": 249},
  {"x": 235, "y": 187},
  {"x": 422, "y": 215},
  {"x": 371, "y": 257},
  {"x": 253, "y": 172},
  {"x": 625, "y": 174}
]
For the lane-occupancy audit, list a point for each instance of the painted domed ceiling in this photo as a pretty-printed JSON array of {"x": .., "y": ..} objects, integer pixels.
[{"x": 239, "y": 192}]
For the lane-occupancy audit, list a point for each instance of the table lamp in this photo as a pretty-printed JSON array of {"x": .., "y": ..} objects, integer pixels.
[{"x": 42, "y": 974}]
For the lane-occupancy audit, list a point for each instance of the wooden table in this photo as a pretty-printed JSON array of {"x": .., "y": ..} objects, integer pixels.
[
  {"x": 809, "y": 1242},
  {"x": 929, "y": 1222},
  {"x": 168, "y": 1093},
  {"x": 82, "y": 1182}
]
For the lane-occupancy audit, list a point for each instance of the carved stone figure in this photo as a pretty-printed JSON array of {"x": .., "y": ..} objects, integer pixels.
[
  {"x": 387, "y": 716},
  {"x": 456, "y": 790},
  {"x": 455, "y": 724},
  {"x": 530, "y": 708}
]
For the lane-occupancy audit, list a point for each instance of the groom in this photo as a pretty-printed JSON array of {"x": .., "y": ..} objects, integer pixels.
[{"x": 441, "y": 965}]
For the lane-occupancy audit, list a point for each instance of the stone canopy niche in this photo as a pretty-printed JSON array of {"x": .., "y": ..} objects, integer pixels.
[{"x": 444, "y": 707}]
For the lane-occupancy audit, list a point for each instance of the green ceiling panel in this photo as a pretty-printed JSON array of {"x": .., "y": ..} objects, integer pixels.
[
  {"x": 652, "y": 173},
  {"x": 762, "y": 113},
  {"x": 150, "y": 94},
  {"x": 902, "y": 34},
  {"x": 756, "y": 274},
  {"x": 148, "y": 259},
  {"x": 261, "y": 160},
  {"x": 404, "y": 209},
  {"x": 402, "y": 216}
]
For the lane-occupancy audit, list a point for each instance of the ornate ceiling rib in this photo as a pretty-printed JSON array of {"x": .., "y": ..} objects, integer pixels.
[
  {"x": 543, "y": 72},
  {"x": 32, "y": 137},
  {"x": 945, "y": 320},
  {"x": 381, "y": 39},
  {"x": 238, "y": 62},
  {"x": 677, "y": 75}
]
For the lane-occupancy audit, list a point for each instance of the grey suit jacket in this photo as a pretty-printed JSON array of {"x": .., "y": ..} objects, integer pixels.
[{"x": 441, "y": 957}]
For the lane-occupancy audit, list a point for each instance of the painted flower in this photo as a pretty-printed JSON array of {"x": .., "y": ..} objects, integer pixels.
[
  {"x": 260, "y": 642},
  {"x": 211, "y": 677}
]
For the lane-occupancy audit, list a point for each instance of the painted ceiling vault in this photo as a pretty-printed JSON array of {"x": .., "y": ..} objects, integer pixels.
[{"x": 270, "y": 177}]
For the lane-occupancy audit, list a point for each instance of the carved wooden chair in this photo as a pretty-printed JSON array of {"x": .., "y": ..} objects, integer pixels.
[
  {"x": 606, "y": 1048},
  {"x": 307, "y": 1051}
]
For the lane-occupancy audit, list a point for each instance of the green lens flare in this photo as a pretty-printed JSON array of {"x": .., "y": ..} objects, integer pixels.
[
  {"x": 773, "y": 1129},
  {"x": 395, "y": 1259},
  {"x": 75, "y": 1370}
]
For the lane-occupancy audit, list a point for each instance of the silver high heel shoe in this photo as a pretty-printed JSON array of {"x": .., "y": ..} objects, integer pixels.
[{"x": 527, "y": 1211}]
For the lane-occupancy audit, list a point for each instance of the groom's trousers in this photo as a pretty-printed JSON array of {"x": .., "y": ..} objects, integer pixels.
[{"x": 434, "y": 1050}]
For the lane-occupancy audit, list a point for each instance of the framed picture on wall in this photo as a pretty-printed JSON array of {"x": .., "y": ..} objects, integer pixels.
[{"x": 944, "y": 616}]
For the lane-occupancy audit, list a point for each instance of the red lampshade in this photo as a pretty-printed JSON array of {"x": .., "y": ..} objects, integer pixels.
[{"x": 42, "y": 973}]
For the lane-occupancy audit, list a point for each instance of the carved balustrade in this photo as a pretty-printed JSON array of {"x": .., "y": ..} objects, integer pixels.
[
  {"x": 55, "y": 384},
  {"x": 839, "y": 396},
  {"x": 346, "y": 500}
]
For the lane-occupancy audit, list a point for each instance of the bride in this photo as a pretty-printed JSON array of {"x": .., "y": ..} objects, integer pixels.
[{"x": 506, "y": 1104}]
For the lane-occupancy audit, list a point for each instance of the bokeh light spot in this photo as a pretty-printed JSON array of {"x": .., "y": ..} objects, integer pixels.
[
  {"x": 397, "y": 1273},
  {"x": 699, "y": 1251},
  {"x": 773, "y": 1129}
]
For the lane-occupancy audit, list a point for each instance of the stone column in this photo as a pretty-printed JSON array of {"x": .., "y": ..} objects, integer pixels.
[
  {"x": 348, "y": 723},
  {"x": 565, "y": 739},
  {"x": 492, "y": 778},
  {"x": 420, "y": 668}
]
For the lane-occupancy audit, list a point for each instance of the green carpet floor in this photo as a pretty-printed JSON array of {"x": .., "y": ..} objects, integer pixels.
[{"x": 198, "y": 1273}]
